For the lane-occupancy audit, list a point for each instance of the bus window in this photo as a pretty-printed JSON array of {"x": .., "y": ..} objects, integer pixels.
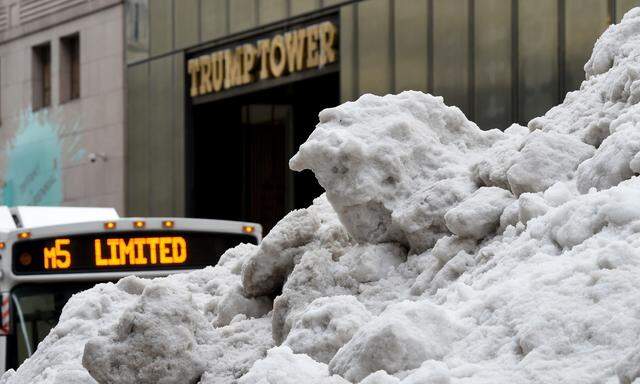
[{"x": 41, "y": 306}]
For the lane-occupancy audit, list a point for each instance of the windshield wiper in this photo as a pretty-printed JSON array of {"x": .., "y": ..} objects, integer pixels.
[{"x": 16, "y": 303}]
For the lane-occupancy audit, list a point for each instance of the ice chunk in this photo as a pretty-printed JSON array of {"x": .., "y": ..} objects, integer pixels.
[
  {"x": 316, "y": 275},
  {"x": 447, "y": 247},
  {"x": 373, "y": 262},
  {"x": 453, "y": 269},
  {"x": 265, "y": 271},
  {"x": 611, "y": 163},
  {"x": 233, "y": 258},
  {"x": 400, "y": 338},
  {"x": 510, "y": 216},
  {"x": 234, "y": 302},
  {"x": 492, "y": 169},
  {"x": 479, "y": 214},
  {"x": 238, "y": 346},
  {"x": 545, "y": 159},
  {"x": 316, "y": 227},
  {"x": 423, "y": 214},
  {"x": 531, "y": 205},
  {"x": 326, "y": 325},
  {"x": 162, "y": 339},
  {"x": 282, "y": 366}
]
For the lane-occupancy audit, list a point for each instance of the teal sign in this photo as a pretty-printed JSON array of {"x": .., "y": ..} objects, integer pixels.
[{"x": 34, "y": 161}]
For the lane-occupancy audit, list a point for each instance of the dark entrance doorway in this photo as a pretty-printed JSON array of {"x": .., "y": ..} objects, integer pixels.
[{"x": 241, "y": 147}]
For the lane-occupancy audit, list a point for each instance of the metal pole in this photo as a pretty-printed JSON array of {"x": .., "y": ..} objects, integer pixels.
[{"x": 22, "y": 326}]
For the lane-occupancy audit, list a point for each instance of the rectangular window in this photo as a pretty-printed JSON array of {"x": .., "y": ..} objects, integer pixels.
[
  {"x": 41, "y": 71},
  {"x": 69, "y": 68}
]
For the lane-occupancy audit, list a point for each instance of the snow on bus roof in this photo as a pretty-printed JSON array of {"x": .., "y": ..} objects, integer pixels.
[
  {"x": 6, "y": 221},
  {"x": 42, "y": 216}
]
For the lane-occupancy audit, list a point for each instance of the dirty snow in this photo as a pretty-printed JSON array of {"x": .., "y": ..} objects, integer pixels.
[{"x": 440, "y": 253}]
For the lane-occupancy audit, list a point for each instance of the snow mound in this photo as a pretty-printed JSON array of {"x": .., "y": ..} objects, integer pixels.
[
  {"x": 380, "y": 158},
  {"x": 162, "y": 338},
  {"x": 439, "y": 254}
]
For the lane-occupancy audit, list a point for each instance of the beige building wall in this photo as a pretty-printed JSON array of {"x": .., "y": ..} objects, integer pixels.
[{"x": 70, "y": 153}]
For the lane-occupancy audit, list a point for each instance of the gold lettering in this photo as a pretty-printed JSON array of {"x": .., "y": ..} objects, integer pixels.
[
  {"x": 153, "y": 241},
  {"x": 97, "y": 250},
  {"x": 294, "y": 42},
  {"x": 50, "y": 258},
  {"x": 57, "y": 257},
  {"x": 232, "y": 67},
  {"x": 327, "y": 39},
  {"x": 312, "y": 46},
  {"x": 205, "y": 74},
  {"x": 140, "y": 242},
  {"x": 248, "y": 61},
  {"x": 127, "y": 248},
  {"x": 194, "y": 67},
  {"x": 139, "y": 251},
  {"x": 263, "y": 52},
  {"x": 64, "y": 254},
  {"x": 164, "y": 251},
  {"x": 113, "y": 247},
  {"x": 217, "y": 66},
  {"x": 179, "y": 250},
  {"x": 277, "y": 59}
]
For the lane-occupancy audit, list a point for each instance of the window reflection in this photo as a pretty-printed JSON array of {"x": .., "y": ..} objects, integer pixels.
[{"x": 137, "y": 29}]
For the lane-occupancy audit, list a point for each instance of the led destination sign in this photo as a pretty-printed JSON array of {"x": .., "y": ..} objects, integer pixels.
[{"x": 123, "y": 251}]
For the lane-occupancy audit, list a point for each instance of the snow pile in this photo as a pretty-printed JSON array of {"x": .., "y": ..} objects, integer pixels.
[
  {"x": 156, "y": 331},
  {"x": 439, "y": 254},
  {"x": 392, "y": 166}
]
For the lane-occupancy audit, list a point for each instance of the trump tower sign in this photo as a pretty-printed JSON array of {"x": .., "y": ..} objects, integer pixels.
[{"x": 274, "y": 56}]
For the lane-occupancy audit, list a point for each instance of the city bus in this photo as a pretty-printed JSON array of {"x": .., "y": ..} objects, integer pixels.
[{"x": 47, "y": 254}]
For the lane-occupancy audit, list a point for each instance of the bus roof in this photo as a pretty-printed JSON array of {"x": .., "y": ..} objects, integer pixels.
[
  {"x": 30, "y": 217},
  {"x": 6, "y": 220}
]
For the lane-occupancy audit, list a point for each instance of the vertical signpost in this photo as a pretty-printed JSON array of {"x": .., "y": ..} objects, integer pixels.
[{"x": 5, "y": 312}]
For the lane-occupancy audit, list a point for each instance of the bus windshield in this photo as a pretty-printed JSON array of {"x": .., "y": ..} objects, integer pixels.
[{"x": 41, "y": 306}]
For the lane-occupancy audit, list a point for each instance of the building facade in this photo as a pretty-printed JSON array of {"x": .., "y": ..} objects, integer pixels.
[
  {"x": 62, "y": 102},
  {"x": 220, "y": 92}
]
